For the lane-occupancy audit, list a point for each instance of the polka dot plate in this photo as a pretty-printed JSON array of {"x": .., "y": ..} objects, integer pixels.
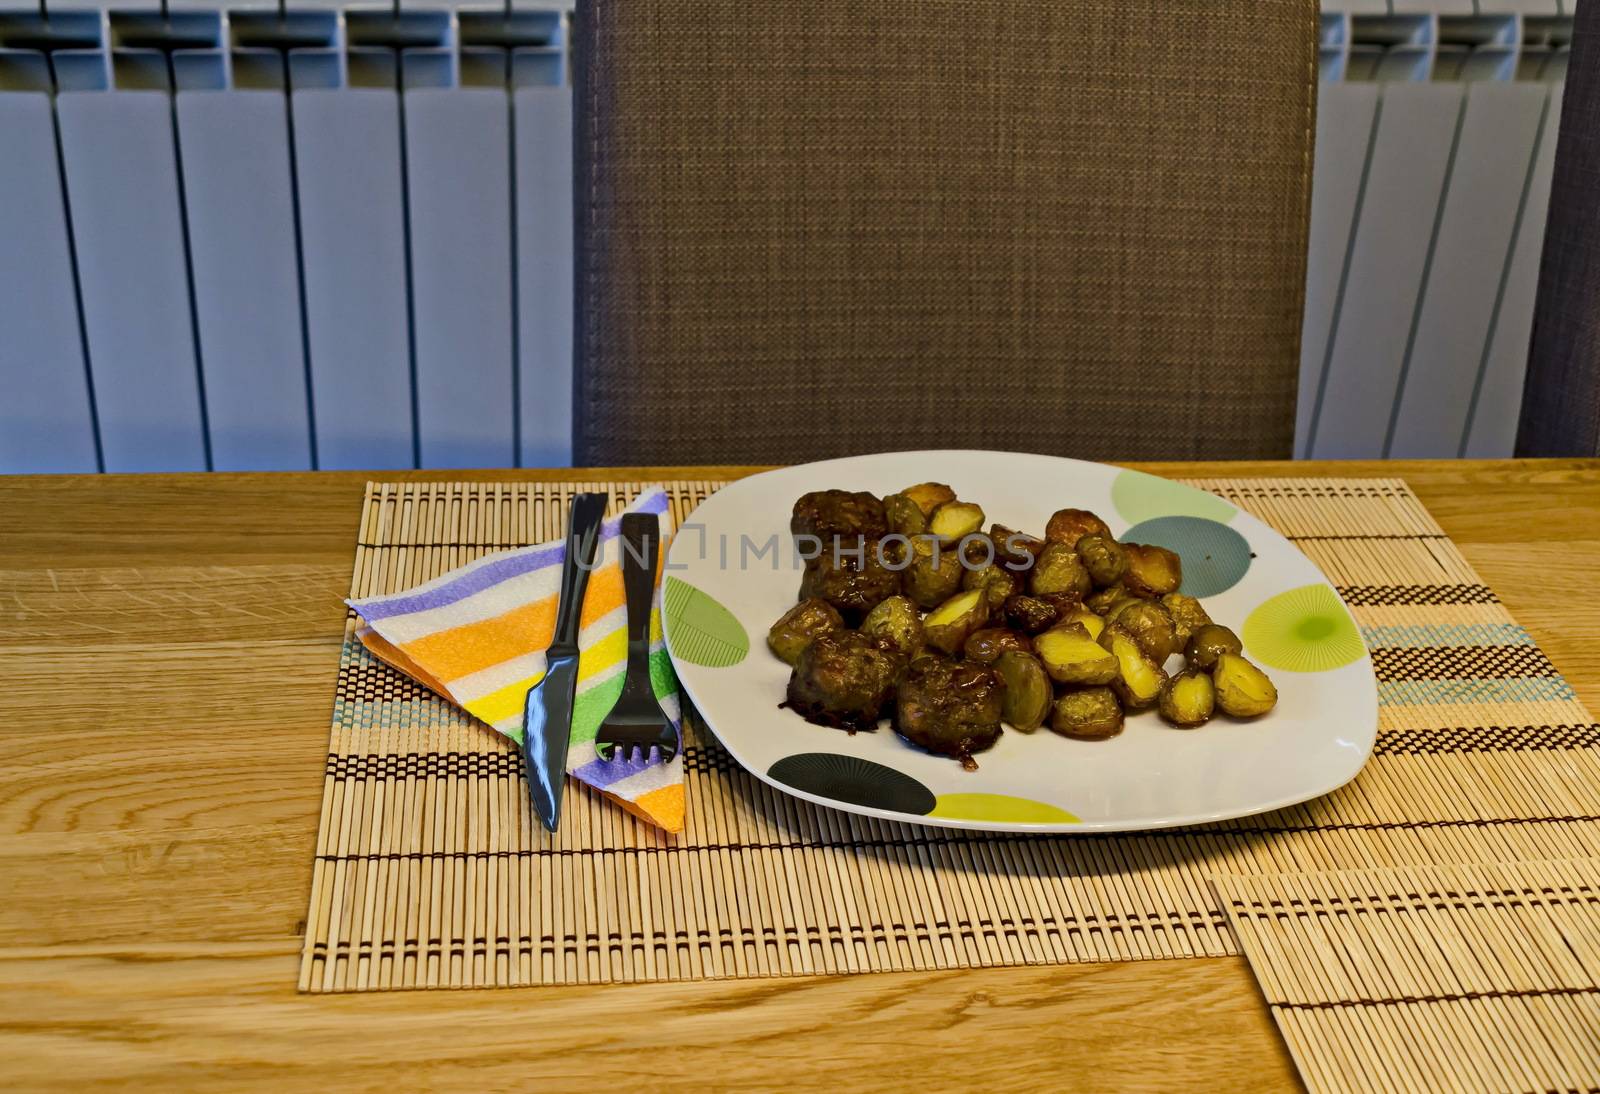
[{"x": 732, "y": 570}]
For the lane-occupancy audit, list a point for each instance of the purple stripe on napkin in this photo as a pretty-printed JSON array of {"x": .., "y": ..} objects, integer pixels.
[
  {"x": 475, "y": 581},
  {"x": 600, "y": 774}
]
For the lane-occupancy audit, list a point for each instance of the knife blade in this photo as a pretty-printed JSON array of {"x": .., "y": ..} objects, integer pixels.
[{"x": 547, "y": 717}]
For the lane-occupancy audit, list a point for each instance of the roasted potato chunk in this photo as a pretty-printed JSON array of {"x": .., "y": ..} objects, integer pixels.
[
  {"x": 1014, "y": 550},
  {"x": 976, "y": 550},
  {"x": 1209, "y": 642},
  {"x": 1070, "y": 525},
  {"x": 1102, "y": 601},
  {"x": 1086, "y": 619},
  {"x": 985, "y": 646},
  {"x": 897, "y": 621},
  {"x": 998, "y": 584},
  {"x": 843, "y": 679},
  {"x": 948, "y": 626},
  {"x": 1188, "y": 615},
  {"x": 1138, "y": 680},
  {"x": 1064, "y": 603},
  {"x": 950, "y": 707},
  {"x": 853, "y": 579},
  {"x": 1028, "y": 694},
  {"x": 955, "y": 520},
  {"x": 1152, "y": 571},
  {"x": 1089, "y": 714},
  {"x": 1188, "y": 699},
  {"x": 1029, "y": 614},
  {"x": 1104, "y": 558},
  {"x": 1059, "y": 570},
  {"x": 831, "y": 514},
  {"x": 933, "y": 575},
  {"x": 791, "y": 634},
  {"x": 1242, "y": 689},
  {"x": 929, "y": 496},
  {"x": 1150, "y": 626},
  {"x": 1070, "y": 656},
  {"x": 904, "y": 516}
]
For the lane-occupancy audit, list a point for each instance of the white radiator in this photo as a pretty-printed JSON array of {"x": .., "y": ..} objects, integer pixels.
[
  {"x": 341, "y": 237},
  {"x": 1436, "y": 134}
]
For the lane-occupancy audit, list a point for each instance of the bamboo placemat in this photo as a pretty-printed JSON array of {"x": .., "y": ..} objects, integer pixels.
[
  {"x": 1438, "y": 978},
  {"x": 429, "y": 870}
]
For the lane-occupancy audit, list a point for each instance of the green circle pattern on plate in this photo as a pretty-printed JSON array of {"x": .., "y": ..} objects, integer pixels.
[
  {"x": 1001, "y": 808},
  {"x": 1139, "y": 497},
  {"x": 853, "y": 780},
  {"x": 703, "y": 631},
  {"x": 1215, "y": 557},
  {"x": 1303, "y": 630}
]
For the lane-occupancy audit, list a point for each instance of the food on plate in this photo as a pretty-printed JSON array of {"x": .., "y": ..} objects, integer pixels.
[
  {"x": 1014, "y": 549},
  {"x": 1029, "y": 614},
  {"x": 904, "y": 516},
  {"x": 1104, "y": 558},
  {"x": 1209, "y": 642},
  {"x": 1090, "y": 714},
  {"x": 998, "y": 583},
  {"x": 949, "y": 707},
  {"x": 1188, "y": 615},
  {"x": 932, "y": 576},
  {"x": 1070, "y": 525},
  {"x": 1102, "y": 601},
  {"x": 959, "y": 632},
  {"x": 897, "y": 621},
  {"x": 844, "y": 679},
  {"x": 1188, "y": 699},
  {"x": 1242, "y": 689},
  {"x": 1086, "y": 619},
  {"x": 1150, "y": 626},
  {"x": 1064, "y": 603},
  {"x": 985, "y": 646},
  {"x": 831, "y": 514},
  {"x": 1070, "y": 656},
  {"x": 852, "y": 579},
  {"x": 955, "y": 520},
  {"x": 1028, "y": 694},
  {"x": 947, "y": 627},
  {"x": 929, "y": 496},
  {"x": 1138, "y": 678},
  {"x": 1058, "y": 569},
  {"x": 791, "y": 634},
  {"x": 1152, "y": 571}
]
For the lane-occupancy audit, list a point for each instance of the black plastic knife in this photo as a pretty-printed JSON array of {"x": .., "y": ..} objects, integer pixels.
[{"x": 547, "y": 719}]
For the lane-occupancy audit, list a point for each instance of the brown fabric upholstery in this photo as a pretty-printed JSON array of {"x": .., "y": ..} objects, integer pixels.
[
  {"x": 811, "y": 228},
  {"x": 1561, "y": 398}
]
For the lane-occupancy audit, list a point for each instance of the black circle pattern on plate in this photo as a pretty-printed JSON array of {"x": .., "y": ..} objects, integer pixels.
[{"x": 854, "y": 781}]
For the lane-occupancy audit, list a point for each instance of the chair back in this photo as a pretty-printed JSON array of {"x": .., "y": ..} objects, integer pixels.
[{"x": 810, "y": 228}]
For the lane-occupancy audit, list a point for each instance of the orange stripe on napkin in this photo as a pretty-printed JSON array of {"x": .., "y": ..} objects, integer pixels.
[
  {"x": 466, "y": 649},
  {"x": 664, "y": 807}
]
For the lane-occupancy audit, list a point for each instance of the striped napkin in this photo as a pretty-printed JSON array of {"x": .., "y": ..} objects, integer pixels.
[{"x": 477, "y": 636}]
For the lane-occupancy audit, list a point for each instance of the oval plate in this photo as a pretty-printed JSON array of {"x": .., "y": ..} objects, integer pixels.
[{"x": 732, "y": 571}]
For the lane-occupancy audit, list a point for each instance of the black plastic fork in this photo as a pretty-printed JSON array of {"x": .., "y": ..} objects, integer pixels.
[{"x": 637, "y": 721}]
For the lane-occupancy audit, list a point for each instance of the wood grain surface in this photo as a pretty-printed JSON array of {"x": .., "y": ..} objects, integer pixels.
[{"x": 168, "y": 646}]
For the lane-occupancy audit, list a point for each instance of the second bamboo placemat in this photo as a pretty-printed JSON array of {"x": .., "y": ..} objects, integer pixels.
[
  {"x": 1430, "y": 979},
  {"x": 429, "y": 870}
]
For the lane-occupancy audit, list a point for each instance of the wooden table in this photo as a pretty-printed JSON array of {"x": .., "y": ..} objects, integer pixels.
[{"x": 168, "y": 647}]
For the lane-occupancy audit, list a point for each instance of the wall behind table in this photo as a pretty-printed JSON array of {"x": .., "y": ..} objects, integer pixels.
[{"x": 343, "y": 239}]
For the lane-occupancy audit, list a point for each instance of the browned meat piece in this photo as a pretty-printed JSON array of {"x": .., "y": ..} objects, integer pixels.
[
  {"x": 829, "y": 514},
  {"x": 853, "y": 579},
  {"x": 844, "y": 679},
  {"x": 950, "y": 707}
]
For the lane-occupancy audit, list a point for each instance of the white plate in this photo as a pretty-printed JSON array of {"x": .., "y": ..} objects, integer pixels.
[{"x": 732, "y": 571}]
